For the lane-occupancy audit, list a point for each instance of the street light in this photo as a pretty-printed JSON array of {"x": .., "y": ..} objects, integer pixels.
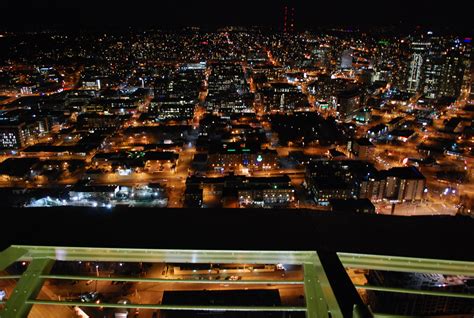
[{"x": 97, "y": 273}]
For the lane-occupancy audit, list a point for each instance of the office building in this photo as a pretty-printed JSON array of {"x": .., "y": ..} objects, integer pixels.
[
  {"x": 18, "y": 127},
  {"x": 438, "y": 66},
  {"x": 239, "y": 157},
  {"x": 339, "y": 179},
  {"x": 348, "y": 103},
  {"x": 361, "y": 148},
  {"x": 415, "y": 75},
  {"x": 404, "y": 184}
]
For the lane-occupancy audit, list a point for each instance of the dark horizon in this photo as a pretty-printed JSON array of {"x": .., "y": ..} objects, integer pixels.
[{"x": 402, "y": 16}]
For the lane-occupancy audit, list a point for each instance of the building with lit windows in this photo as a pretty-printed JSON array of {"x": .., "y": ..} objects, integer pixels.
[
  {"x": 12, "y": 136},
  {"x": 109, "y": 196},
  {"x": 167, "y": 107},
  {"x": 419, "y": 50},
  {"x": 338, "y": 179},
  {"x": 242, "y": 190},
  {"x": 456, "y": 64},
  {"x": 356, "y": 179},
  {"x": 17, "y": 128},
  {"x": 237, "y": 157},
  {"x": 348, "y": 103},
  {"x": 404, "y": 184},
  {"x": 98, "y": 122},
  {"x": 361, "y": 148},
  {"x": 438, "y": 66}
]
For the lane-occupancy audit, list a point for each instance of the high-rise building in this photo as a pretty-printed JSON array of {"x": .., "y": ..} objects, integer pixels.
[
  {"x": 433, "y": 68},
  {"x": 451, "y": 62},
  {"x": 438, "y": 66},
  {"x": 468, "y": 67},
  {"x": 419, "y": 50},
  {"x": 453, "y": 72}
]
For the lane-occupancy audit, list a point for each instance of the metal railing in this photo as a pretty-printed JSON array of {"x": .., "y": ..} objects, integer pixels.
[{"x": 322, "y": 277}]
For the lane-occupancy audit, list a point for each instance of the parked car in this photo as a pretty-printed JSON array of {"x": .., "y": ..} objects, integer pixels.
[
  {"x": 3, "y": 295},
  {"x": 89, "y": 297}
]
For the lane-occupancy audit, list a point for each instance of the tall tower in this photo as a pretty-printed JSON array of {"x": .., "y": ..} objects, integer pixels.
[
  {"x": 288, "y": 18},
  {"x": 414, "y": 77},
  {"x": 433, "y": 68},
  {"x": 415, "y": 73}
]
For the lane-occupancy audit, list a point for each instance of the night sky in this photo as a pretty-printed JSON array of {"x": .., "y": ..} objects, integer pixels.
[{"x": 96, "y": 14}]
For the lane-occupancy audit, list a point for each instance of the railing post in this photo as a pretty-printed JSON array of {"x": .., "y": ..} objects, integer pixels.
[
  {"x": 315, "y": 303},
  {"x": 320, "y": 298},
  {"x": 340, "y": 287},
  {"x": 27, "y": 287}
]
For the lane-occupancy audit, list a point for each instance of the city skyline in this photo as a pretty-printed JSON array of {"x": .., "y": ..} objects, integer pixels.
[
  {"x": 219, "y": 110},
  {"x": 247, "y": 159}
]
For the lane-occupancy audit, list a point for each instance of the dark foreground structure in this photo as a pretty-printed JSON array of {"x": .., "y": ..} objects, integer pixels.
[
  {"x": 236, "y": 229},
  {"x": 324, "y": 244}
]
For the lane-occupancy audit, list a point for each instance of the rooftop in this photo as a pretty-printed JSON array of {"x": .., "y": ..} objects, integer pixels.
[{"x": 410, "y": 173}]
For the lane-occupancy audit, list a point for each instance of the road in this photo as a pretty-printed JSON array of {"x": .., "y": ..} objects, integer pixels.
[
  {"x": 46, "y": 292},
  {"x": 152, "y": 293}
]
